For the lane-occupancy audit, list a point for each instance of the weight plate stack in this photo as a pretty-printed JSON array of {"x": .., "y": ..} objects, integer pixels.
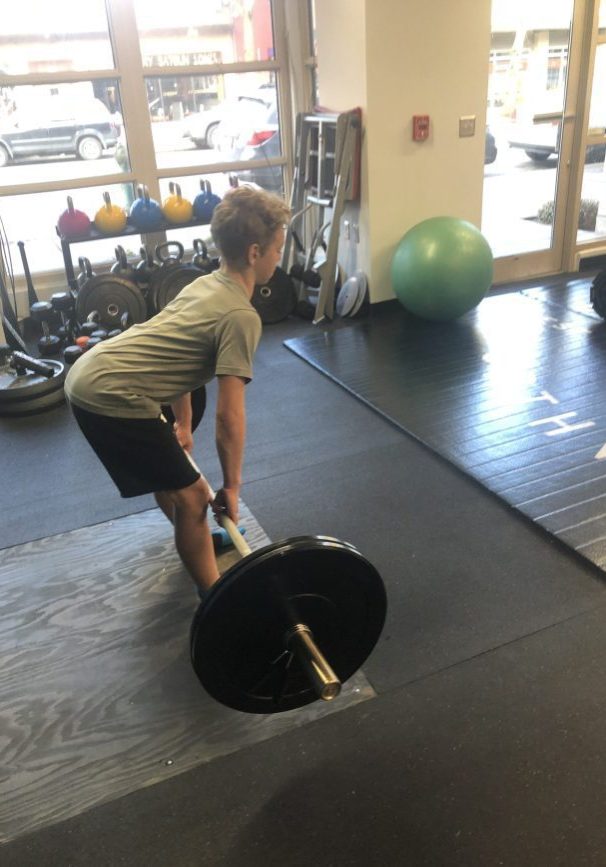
[
  {"x": 30, "y": 393},
  {"x": 168, "y": 289},
  {"x": 111, "y": 297}
]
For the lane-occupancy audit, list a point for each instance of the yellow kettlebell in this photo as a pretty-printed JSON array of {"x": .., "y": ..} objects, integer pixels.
[
  {"x": 175, "y": 208},
  {"x": 110, "y": 218}
]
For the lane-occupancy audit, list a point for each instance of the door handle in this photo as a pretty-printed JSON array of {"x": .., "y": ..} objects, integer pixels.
[{"x": 550, "y": 116}]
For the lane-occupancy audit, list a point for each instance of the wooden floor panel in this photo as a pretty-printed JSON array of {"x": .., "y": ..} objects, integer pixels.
[{"x": 97, "y": 694}]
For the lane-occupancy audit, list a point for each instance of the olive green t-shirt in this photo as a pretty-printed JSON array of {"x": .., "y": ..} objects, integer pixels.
[{"x": 209, "y": 329}]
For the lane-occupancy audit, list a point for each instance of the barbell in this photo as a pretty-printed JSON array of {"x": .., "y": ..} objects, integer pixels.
[{"x": 287, "y": 624}]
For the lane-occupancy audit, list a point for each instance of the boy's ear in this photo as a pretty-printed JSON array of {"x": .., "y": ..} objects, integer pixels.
[{"x": 253, "y": 253}]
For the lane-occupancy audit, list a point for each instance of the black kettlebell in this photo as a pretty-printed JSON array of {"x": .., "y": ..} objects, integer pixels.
[
  {"x": 201, "y": 259},
  {"x": 122, "y": 267},
  {"x": 86, "y": 271},
  {"x": 145, "y": 268}
]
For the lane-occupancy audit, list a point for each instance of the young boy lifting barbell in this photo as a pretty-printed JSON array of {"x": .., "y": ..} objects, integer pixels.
[{"x": 117, "y": 389}]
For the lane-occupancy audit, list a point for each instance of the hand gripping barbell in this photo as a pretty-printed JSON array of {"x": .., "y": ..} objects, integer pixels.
[{"x": 287, "y": 624}]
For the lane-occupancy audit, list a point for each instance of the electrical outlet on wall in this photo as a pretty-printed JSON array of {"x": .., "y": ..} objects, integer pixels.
[{"x": 467, "y": 125}]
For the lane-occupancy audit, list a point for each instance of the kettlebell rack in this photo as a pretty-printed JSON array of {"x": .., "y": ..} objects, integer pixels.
[
  {"x": 94, "y": 234},
  {"x": 326, "y": 176}
]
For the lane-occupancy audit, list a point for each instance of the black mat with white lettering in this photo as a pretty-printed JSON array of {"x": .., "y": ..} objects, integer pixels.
[{"x": 513, "y": 393}]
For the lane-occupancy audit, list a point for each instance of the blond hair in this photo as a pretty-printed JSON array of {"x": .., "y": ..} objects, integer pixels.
[{"x": 246, "y": 216}]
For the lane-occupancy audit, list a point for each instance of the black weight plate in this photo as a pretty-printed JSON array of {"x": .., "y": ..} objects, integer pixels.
[
  {"x": 173, "y": 280},
  {"x": 237, "y": 636},
  {"x": 198, "y": 405},
  {"x": 31, "y": 392},
  {"x": 597, "y": 294},
  {"x": 277, "y": 299},
  {"x": 111, "y": 296}
]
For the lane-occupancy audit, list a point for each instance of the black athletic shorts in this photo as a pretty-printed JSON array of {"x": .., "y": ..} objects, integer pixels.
[{"x": 142, "y": 455}]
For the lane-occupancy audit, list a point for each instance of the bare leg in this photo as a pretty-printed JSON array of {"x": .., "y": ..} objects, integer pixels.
[
  {"x": 164, "y": 501},
  {"x": 192, "y": 533}
]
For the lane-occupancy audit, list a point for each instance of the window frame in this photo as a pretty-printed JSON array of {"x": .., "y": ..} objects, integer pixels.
[{"x": 130, "y": 74}]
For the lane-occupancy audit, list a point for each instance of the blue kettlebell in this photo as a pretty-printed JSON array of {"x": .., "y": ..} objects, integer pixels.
[
  {"x": 146, "y": 213},
  {"x": 205, "y": 202}
]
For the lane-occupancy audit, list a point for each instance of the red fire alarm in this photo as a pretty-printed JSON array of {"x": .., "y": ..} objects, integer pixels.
[{"x": 420, "y": 127}]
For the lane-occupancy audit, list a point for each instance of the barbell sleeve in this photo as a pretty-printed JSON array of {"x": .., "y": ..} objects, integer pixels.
[{"x": 325, "y": 682}]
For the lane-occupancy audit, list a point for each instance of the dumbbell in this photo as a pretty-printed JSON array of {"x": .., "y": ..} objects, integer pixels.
[
  {"x": 72, "y": 353},
  {"x": 86, "y": 330},
  {"x": 63, "y": 304},
  {"x": 125, "y": 323},
  {"x": 83, "y": 344},
  {"x": 42, "y": 311},
  {"x": 90, "y": 324}
]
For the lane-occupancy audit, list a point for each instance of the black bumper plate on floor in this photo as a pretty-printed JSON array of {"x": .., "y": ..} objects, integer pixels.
[{"x": 512, "y": 393}]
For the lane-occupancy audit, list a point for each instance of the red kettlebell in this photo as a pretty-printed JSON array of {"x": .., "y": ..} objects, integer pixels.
[{"x": 73, "y": 223}]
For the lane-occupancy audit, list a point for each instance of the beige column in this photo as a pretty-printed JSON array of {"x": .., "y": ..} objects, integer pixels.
[{"x": 397, "y": 58}]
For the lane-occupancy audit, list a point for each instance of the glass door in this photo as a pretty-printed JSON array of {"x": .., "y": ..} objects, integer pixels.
[
  {"x": 533, "y": 79},
  {"x": 591, "y": 224}
]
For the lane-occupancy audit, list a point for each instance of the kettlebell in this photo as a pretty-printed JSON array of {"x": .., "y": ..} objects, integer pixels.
[
  {"x": 175, "y": 208},
  {"x": 201, "y": 259},
  {"x": 110, "y": 219},
  {"x": 170, "y": 253},
  {"x": 86, "y": 271},
  {"x": 205, "y": 202},
  {"x": 121, "y": 266},
  {"x": 144, "y": 268},
  {"x": 72, "y": 223},
  {"x": 146, "y": 213}
]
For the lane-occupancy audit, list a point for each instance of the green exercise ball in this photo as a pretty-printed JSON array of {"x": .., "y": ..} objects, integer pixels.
[{"x": 442, "y": 268}]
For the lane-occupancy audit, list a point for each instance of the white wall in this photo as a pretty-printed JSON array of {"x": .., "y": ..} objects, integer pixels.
[
  {"x": 342, "y": 81},
  {"x": 396, "y": 58}
]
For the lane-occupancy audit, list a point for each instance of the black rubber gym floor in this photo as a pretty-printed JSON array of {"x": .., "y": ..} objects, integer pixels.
[
  {"x": 484, "y": 743},
  {"x": 512, "y": 393}
]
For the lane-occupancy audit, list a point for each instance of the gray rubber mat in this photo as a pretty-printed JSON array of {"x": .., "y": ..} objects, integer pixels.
[
  {"x": 512, "y": 393},
  {"x": 98, "y": 698}
]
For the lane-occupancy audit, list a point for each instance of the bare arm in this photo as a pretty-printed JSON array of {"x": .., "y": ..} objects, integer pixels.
[
  {"x": 183, "y": 416},
  {"x": 230, "y": 435}
]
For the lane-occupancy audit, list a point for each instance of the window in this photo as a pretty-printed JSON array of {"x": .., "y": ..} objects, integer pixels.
[{"x": 84, "y": 108}]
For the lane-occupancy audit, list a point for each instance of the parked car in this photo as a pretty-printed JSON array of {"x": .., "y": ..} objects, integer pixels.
[
  {"x": 203, "y": 127},
  {"x": 253, "y": 133},
  {"x": 59, "y": 126},
  {"x": 490, "y": 148},
  {"x": 539, "y": 141},
  {"x": 255, "y": 136}
]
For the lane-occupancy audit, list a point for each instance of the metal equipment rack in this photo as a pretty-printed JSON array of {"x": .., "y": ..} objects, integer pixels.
[{"x": 326, "y": 176}]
